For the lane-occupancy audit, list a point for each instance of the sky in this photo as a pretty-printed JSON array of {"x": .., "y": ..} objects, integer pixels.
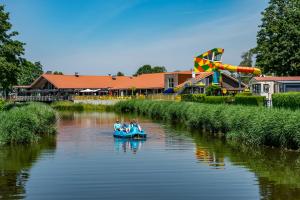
[{"x": 100, "y": 37}]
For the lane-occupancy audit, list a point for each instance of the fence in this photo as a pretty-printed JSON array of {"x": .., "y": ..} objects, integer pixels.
[{"x": 169, "y": 97}]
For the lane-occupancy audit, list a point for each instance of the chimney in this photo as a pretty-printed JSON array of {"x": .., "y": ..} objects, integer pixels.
[
  {"x": 114, "y": 77},
  {"x": 76, "y": 74},
  {"x": 109, "y": 74}
]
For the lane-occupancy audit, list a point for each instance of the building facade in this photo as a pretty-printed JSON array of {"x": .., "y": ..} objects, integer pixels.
[{"x": 266, "y": 86}]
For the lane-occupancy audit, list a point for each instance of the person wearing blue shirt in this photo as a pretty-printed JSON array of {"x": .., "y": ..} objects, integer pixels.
[{"x": 117, "y": 125}]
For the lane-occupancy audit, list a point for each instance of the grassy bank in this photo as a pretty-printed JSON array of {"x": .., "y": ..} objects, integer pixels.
[
  {"x": 26, "y": 124},
  {"x": 70, "y": 106},
  {"x": 243, "y": 124}
]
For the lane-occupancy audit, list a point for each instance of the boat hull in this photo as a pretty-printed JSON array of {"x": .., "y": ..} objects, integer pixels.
[{"x": 133, "y": 134}]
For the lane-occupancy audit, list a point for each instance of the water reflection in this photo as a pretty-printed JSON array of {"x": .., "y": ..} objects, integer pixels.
[
  {"x": 15, "y": 164},
  {"x": 124, "y": 144},
  {"x": 209, "y": 158},
  {"x": 278, "y": 172}
]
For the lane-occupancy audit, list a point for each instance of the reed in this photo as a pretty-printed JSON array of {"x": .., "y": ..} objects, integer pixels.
[
  {"x": 70, "y": 106},
  {"x": 27, "y": 124},
  {"x": 245, "y": 124}
]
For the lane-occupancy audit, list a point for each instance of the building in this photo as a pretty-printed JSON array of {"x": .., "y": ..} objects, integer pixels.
[
  {"x": 58, "y": 87},
  {"x": 68, "y": 85},
  {"x": 268, "y": 85},
  {"x": 185, "y": 84}
]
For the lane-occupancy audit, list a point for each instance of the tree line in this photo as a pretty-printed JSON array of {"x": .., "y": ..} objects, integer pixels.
[{"x": 278, "y": 40}]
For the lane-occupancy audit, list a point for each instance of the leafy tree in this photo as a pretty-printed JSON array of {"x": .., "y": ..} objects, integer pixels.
[
  {"x": 159, "y": 69},
  {"x": 147, "y": 69},
  {"x": 278, "y": 40},
  {"x": 58, "y": 73},
  {"x": 10, "y": 52},
  {"x": 29, "y": 72},
  {"x": 247, "y": 59},
  {"x": 120, "y": 74}
]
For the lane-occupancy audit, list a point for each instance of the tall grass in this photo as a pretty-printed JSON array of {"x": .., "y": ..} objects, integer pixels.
[
  {"x": 70, "y": 106},
  {"x": 245, "y": 124},
  {"x": 26, "y": 124},
  {"x": 289, "y": 100}
]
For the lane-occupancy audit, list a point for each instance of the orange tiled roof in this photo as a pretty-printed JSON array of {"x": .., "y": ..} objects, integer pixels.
[{"x": 153, "y": 81}]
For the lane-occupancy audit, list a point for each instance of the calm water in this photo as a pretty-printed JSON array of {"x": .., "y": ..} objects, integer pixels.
[{"x": 84, "y": 161}]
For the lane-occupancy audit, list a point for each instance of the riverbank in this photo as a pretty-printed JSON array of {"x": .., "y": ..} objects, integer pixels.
[
  {"x": 70, "y": 106},
  {"x": 26, "y": 123},
  {"x": 243, "y": 124}
]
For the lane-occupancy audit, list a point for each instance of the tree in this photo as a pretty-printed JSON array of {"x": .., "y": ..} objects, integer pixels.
[
  {"x": 247, "y": 58},
  {"x": 158, "y": 69},
  {"x": 278, "y": 40},
  {"x": 120, "y": 74},
  {"x": 58, "y": 73},
  {"x": 10, "y": 53},
  {"x": 29, "y": 72},
  {"x": 147, "y": 69}
]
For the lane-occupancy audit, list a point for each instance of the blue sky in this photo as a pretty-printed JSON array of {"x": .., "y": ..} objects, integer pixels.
[{"x": 106, "y": 36}]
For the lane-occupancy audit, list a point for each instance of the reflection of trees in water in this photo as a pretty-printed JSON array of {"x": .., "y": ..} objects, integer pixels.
[
  {"x": 122, "y": 144},
  {"x": 15, "y": 163},
  {"x": 278, "y": 171}
]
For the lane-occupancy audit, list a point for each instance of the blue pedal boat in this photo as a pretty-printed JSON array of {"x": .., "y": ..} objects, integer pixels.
[{"x": 135, "y": 133}]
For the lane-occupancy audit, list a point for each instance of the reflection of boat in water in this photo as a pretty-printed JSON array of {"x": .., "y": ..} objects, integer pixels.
[
  {"x": 134, "y": 133},
  {"x": 210, "y": 158},
  {"x": 123, "y": 144}
]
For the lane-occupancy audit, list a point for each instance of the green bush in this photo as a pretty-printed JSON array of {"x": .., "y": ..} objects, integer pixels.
[
  {"x": 26, "y": 124},
  {"x": 238, "y": 99},
  {"x": 2, "y": 104},
  {"x": 243, "y": 124},
  {"x": 68, "y": 105},
  {"x": 213, "y": 90},
  {"x": 290, "y": 100},
  {"x": 250, "y": 100}
]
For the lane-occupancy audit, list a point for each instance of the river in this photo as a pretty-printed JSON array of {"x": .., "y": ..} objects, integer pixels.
[{"x": 84, "y": 161}]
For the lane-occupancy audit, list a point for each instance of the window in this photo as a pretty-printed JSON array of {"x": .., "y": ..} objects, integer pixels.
[
  {"x": 266, "y": 88},
  {"x": 171, "y": 82},
  {"x": 256, "y": 88}
]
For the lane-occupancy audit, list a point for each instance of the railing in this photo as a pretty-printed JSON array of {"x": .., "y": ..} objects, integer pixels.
[
  {"x": 93, "y": 97},
  {"x": 40, "y": 98}
]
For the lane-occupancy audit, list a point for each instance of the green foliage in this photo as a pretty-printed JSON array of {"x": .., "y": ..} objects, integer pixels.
[
  {"x": 58, "y": 73},
  {"x": 70, "y": 106},
  {"x": 26, "y": 124},
  {"x": 120, "y": 74},
  {"x": 213, "y": 90},
  {"x": 289, "y": 100},
  {"x": 278, "y": 40},
  {"x": 29, "y": 72},
  {"x": 2, "y": 104},
  {"x": 250, "y": 100},
  {"x": 10, "y": 52},
  {"x": 242, "y": 124},
  {"x": 244, "y": 94},
  {"x": 147, "y": 69},
  {"x": 242, "y": 99},
  {"x": 247, "y": 58}
]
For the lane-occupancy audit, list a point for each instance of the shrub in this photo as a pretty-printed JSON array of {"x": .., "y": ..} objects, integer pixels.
[
  {"x": 213, "y": 90},
  {"x": 250, "y": 100},
  {"x": 290, "y": 100},
  {"x": 68, "y": 105},
  {"x": 243, "y": 124},
  {"x": 2, "y": 103},
  {"x": 26, "y": 124}
]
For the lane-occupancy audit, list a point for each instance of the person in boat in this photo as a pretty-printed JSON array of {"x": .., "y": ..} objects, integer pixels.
[
  {"x": 125, "y": 127},
  {"x": 134, "y": 125},
  {"x": 117, "y": 126}
]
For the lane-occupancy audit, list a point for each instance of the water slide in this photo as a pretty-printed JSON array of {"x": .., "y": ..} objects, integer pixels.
[{"x": 211, "y": 61}]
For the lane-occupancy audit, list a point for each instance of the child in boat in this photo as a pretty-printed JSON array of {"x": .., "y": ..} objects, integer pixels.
[
  {"x": 117, "y": 126},
  {"x": 125, "y": 128}
]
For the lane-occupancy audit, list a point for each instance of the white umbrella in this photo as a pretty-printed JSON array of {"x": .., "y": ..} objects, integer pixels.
[{"x": 87, "y": 90}]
